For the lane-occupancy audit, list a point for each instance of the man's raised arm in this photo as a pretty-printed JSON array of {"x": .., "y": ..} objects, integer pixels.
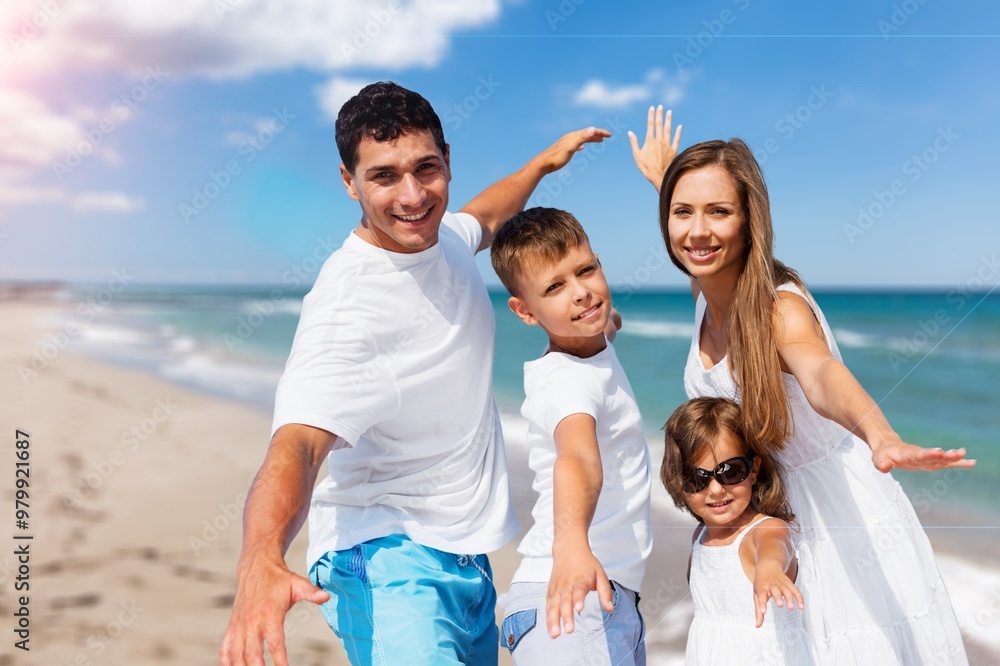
[
  {"x": 498, "y": 202},
  {"x": 276, "y": 507}
]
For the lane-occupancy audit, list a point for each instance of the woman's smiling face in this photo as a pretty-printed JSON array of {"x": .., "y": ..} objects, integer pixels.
[{"x": 705, "y": 223}]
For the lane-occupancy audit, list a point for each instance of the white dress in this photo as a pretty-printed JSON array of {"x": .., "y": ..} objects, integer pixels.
[
  {"x": 872, "y": 590},
  {"x": 724, "y": 628}
]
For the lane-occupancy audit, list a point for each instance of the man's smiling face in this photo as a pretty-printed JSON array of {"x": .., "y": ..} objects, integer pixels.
[{"x": 402, "y": 186}]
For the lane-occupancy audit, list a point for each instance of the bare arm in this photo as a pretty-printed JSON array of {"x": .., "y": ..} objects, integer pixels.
[
  {"x": 774, "y": 567},
  {"x": 498, "y": 202},
  {"x": 834, "y": 392},
  {"x": 577, "y": 479},
  {"x": 276, "y": 507}
]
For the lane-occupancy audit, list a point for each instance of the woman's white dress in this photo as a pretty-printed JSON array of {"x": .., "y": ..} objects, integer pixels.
[
  {"x": 872, "y": 590},
  {"x": 724, "y": 628}
]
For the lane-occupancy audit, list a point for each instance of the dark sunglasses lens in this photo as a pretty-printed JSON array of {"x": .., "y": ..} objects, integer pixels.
[
  {"x": 733, "y": 471},
  {"x": 694, "y": 481}
]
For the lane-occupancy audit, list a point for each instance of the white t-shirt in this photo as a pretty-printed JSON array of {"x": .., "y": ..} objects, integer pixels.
[
  {"x": 559, "y": 385},
  {"x": 394, "y": 355}
]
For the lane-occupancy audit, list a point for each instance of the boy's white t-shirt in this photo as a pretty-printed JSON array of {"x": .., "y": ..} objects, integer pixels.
[
  {"x": 560, "y": 385},
  {"x": 394, "y": 354}
]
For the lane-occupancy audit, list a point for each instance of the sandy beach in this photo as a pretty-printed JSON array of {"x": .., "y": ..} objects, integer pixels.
[{"x": 136, "y": 496}]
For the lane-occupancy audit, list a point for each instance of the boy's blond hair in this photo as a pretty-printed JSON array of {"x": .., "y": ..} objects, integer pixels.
[{"x": 533, "y": 235}]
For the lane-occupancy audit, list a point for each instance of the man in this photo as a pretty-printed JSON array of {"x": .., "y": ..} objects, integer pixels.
[{"x": 389, "y": 382}]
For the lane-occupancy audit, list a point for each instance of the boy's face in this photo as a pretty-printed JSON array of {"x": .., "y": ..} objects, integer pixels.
[
  {"x": 402, "y": 186},
  {"x": 569, "y": 298}
]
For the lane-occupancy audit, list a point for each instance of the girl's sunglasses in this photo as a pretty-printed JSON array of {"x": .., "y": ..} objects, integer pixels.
[{"x": 728, "y": 473}]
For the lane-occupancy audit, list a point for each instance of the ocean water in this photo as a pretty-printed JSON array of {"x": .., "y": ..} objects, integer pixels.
[{"x": 931, "y": 360}]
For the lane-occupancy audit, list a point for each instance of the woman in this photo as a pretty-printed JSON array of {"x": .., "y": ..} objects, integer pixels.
[{"x": 873, "y": 591}]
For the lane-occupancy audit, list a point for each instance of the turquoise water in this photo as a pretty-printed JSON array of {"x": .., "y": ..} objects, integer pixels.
[{"x": 932, "y": 360}]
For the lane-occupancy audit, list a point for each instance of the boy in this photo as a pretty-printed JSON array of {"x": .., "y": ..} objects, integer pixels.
[{"x": 588, "y": 452}]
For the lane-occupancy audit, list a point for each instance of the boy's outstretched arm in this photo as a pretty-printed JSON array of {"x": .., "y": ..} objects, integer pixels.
[
  {"x": 657, "y": 151},
  {"x": 577, "y": 479},
  {"x": 774, "y": 567},
  {"x": 501, "y": 200}
]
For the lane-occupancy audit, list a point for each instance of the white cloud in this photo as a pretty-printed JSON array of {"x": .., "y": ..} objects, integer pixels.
[
  {"x": 599, "y": 94},
  {"x": 335, "y": 92},
  {"x": 655, "y": 87},
  {"x": 238, "y": 38},
  {"x": 111, "y": 202},
  {"x": 217, "y": 39},
  {"x": 32, "y": 135},
  {"x": 19, "y": 194}
]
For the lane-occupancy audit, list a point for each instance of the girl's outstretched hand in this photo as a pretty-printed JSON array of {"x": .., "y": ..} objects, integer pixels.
[
  {"x": 898, "y": 454},
  {"x": 657, "y": 151},
  {"x": 770, "y": 582}
]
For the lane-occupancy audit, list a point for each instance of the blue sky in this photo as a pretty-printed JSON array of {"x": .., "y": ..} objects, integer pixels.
[{"x": 115, "y": 116}]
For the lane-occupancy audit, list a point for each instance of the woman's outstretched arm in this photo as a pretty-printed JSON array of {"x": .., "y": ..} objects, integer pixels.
[{"x": 834, "y": 392}]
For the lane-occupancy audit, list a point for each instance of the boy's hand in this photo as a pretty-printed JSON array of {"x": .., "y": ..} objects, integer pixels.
[
  {"x": 559, "y": 154},
  {"x": 575, "y": 572},
  {"x": 657, "y": 150},
  {"x": 771, "y": 582}
]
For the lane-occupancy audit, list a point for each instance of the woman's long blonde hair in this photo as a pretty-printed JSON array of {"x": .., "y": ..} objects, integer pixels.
[{"x": 753, "y": 354}]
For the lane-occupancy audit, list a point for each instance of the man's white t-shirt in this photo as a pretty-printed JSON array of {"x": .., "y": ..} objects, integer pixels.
[
  {"x": 394, "y": 355},
  {"x": 560, "y": 385}
]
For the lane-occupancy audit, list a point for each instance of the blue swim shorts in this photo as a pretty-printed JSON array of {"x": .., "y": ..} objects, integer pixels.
[{"x": 394, "y": 601}]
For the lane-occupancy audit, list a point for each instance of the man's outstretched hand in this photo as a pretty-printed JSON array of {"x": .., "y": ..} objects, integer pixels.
[
  {"x": 559, "y": 154},
  {"x": 265, "y": 594}
]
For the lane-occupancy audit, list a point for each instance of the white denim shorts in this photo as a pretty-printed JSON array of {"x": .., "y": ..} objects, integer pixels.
[{"x": 599, "y": 638}]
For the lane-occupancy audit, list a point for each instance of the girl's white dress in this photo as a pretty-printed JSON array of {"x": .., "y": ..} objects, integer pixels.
[
  {"x": 724, "y": 628},
  {"x": 872, "y": 590}
]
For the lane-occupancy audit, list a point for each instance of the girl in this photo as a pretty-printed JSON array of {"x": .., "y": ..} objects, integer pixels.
[
  {"x": 741, "y": 552},
  {"x": 877, "y": 596}
]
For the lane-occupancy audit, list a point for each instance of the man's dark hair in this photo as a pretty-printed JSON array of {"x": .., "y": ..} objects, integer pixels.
[{"x": 383, "y": 111}]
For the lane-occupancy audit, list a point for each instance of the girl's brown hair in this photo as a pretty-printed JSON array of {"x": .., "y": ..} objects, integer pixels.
[
  {"x": 694, "y": 428},
  {"x": 753, "y": 354}
]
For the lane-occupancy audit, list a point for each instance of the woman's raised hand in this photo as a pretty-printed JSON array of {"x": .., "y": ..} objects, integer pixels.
[{"x": 657, "y": 151}]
